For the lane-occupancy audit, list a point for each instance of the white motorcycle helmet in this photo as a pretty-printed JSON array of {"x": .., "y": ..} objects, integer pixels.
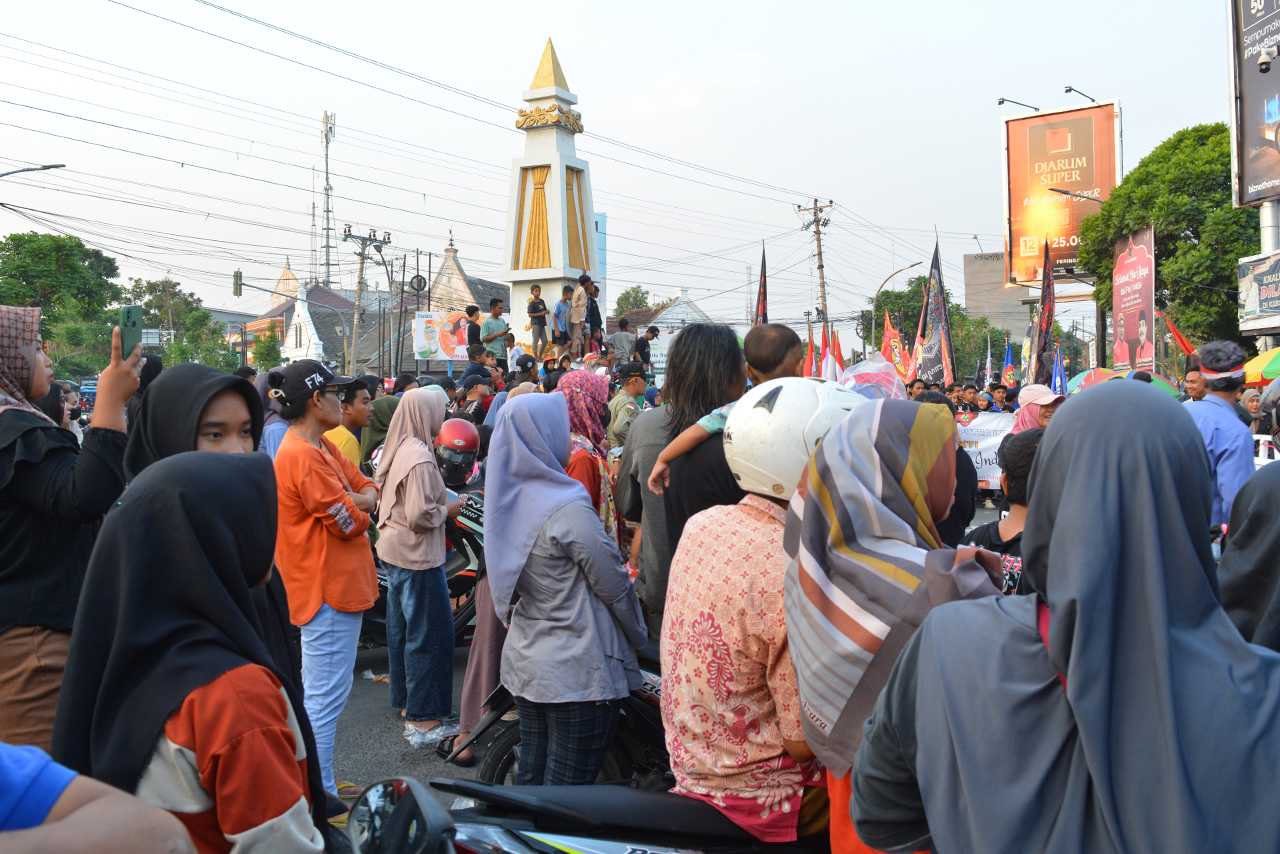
[{"x": 775, "y": 427}]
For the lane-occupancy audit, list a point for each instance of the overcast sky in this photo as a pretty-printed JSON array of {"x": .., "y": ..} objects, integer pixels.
[{"x": 887, "y": 108}]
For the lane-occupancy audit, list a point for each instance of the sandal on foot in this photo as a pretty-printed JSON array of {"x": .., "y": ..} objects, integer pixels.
[{"x": 445, "y": 748}]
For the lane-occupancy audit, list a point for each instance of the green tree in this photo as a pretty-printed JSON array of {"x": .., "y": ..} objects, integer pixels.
[
  {"x": 968, "y": 334},
  {"x": 266, "y": 351},
  {"x": 59, "y": 274},
  {"x": 204, "y": 340},
  {"x": 165, "y": 304},
  {"x": 632, "y": 299},
  {"x": 1183, "y": 189},
  {"x": 80, "y": 343}
]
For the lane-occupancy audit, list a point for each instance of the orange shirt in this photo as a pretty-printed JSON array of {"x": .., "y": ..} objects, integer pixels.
[
  {"x": 322, "y": 552},
  {"x": 231, "y": 766}
]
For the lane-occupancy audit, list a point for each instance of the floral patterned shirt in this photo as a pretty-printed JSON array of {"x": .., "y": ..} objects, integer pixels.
[{"x": 729, "y": 690}]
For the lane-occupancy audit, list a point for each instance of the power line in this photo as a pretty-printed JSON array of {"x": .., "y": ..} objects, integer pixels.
[{"x": 492, "y": 102}]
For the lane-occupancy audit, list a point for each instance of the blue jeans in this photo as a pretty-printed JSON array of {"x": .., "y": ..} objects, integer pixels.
[
  {"x": 419, "y": 642},
  {"x": 328, "y": 665}
]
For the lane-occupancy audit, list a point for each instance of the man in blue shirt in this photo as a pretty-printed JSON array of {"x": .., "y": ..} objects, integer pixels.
[
  {"x": 564, "y": 308},
  {"x": 1227, "y": 441},
  {"x": 46, "y": 807}
]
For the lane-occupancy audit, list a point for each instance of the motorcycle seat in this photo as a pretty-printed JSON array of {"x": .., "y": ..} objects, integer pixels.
[{"x": 604, "y": 809}]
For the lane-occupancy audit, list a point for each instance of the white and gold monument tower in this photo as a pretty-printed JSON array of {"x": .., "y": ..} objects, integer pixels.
[{"x": 551, "y": 236}]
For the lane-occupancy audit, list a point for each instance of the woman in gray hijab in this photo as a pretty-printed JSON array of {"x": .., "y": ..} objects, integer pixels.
[{"x": 1116, "y": 710}]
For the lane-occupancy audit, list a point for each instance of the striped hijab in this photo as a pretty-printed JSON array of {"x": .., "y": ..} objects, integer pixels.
[{"x": 867, "y": 562}]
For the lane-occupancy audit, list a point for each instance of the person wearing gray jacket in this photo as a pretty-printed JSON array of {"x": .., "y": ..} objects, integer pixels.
[{"x": 560, "y": 584}]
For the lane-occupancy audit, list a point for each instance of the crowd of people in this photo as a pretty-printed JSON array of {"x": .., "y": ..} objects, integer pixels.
[{"x": 183, "y": 584}]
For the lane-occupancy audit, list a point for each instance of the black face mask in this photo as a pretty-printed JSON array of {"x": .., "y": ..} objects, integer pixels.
[{"x": 75, "y": 414}]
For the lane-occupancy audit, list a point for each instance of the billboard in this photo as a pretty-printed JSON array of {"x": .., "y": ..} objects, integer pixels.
[
  {"x": 1255, "y": 118},
  {"x": 440, "y": 335},
  {"x": 1133, "y": 302},
  {"x": 1073, "y": 150},
  {"x": 1259, "y": 283}
]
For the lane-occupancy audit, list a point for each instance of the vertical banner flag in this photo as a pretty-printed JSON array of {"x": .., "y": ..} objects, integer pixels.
[
  {"x": 892, "y": 350},
  {"x": 762, "y": 295},
  {"x": 937, "y": 363},
  {"x": 1133, "y": 302},
  {"x": 917, "y": 343},
  {"x": 1058, "y": 380},
  {"x": 1042, "y": 360},
  {"x": 986, "y": 374},
  {"x": 836, "y": 349},
  {"x": 1008, "y": 373}
]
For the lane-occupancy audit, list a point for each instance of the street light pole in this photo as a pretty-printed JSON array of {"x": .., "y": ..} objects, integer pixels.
[
  {"x": 33, "y": 169},
  {"x": 873, "y": 305},
  {"x": 1000, "y": 102}
]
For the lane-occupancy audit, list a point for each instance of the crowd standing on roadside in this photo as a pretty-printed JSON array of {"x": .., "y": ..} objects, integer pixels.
[{"x": 182, "y": 587}]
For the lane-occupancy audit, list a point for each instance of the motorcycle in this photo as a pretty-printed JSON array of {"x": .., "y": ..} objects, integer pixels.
[
  {"x": 401, "y": 815},
  {"x": 637, "y": 756}
]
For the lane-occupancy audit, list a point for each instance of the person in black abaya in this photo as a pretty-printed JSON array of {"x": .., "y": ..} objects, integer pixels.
[
  {"x": 167, "y": 614},
  {"x": 151, "y": 370},
  {"x": 1249, "y": 572},
  {"x": 1117, "y": 709}
]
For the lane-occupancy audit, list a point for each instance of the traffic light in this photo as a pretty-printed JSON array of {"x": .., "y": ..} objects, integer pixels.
[{"x": 237, "y": 283}]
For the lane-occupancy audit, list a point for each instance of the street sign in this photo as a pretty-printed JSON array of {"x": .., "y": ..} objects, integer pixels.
[{"x": 418, "y": 283}]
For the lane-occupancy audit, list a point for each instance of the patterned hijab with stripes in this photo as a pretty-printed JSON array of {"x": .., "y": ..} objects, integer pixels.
[{"x": 867, "y": 563}]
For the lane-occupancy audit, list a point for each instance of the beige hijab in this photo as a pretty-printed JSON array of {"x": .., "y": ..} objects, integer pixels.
[
  {"x": 19, "y": 327},
  {"x": 409, "y": 441}
]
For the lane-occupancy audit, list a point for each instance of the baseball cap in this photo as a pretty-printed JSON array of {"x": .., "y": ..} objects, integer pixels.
[
  {"x": 305, "y": 377},
  {"x": 526, "y": 362},
  {"x": 655, "y": 330},
  {"x": 1041, "y": 395},
  {"x": 475, "y": 380},
  {"x": 630, "y": 369}
]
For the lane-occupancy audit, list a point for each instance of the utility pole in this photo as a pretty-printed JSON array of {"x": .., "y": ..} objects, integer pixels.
[
  {"x": 364, "y": 241},
  {"x": 329, "y": 128},
  {"x": 816, "y": 221}
]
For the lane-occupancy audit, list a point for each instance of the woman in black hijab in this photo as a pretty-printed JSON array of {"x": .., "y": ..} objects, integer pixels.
[
  {"x": 197, "y": 408},
  {"x": 170, "y": 691},
  {"x": 193, "y": 408},
  {"x": 1249, "y": 572}
]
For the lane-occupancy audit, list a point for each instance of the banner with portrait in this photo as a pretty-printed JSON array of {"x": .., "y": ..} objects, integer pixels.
[
  {"x": 440, "y": 335},
  {"x": 1133, "y": 302}
]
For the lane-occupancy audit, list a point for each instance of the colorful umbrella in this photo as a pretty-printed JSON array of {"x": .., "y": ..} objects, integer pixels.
[
  {"x": 1161, "y": 383},
  {"x": 1085, "y": 379},
  {"x": 1262, "y": 368}
]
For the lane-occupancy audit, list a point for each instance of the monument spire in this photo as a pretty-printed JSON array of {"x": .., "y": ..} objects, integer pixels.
[{"x": 549, "y": 73}]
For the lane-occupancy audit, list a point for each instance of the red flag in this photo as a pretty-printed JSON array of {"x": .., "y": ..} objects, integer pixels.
[
  {"x": 892, "y": 349},
  {"x": 838, "y": 350},
  {"x": 826, "y": 360},
  {"x": 808, "y": 355},
  {"x": 1183, "y": 344}
]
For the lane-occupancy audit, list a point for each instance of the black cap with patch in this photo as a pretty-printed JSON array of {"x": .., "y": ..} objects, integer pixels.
[{"x": 305, "y": 377}]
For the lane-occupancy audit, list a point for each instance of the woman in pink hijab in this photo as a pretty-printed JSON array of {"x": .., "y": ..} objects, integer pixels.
[{"x": 1036, "y": 405}]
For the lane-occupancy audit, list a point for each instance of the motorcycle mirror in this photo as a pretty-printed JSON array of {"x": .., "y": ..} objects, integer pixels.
[{"x": 399, "y": 816}]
